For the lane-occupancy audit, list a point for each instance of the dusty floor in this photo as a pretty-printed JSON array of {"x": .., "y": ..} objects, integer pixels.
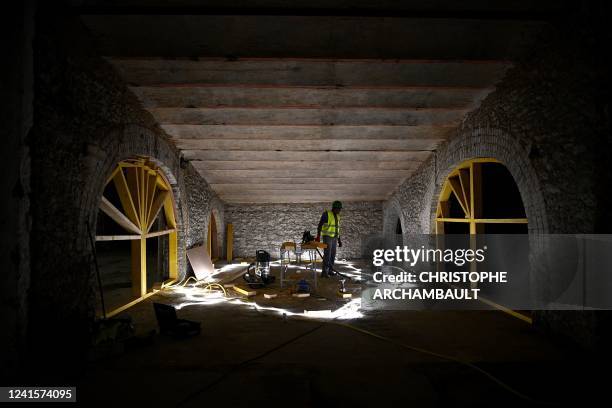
[{"x": 249, "y": 356}]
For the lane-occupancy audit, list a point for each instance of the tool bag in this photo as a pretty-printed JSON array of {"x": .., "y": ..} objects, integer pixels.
[{"x": 307, "y": 237}]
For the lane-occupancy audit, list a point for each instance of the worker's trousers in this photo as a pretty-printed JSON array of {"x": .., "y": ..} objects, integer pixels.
[{"x": 329, "y": 254}]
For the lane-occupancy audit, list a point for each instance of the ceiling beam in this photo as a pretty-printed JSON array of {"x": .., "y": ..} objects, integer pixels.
[
  {"x": 307, "y": 173},
  {"x": 279, "y": 188},
  {"x": 282, "y": 96},
  {"x": 288, "y": 179},
  {"x": 312, "y": 72},
  {"x": 340, "y": 116},
  {"x": 301, "y": 198},
  {"x": 312, "y": 132},
  {"x": 310, "y": 145},
  {"x": 304, "y": 156},
  {"x": 293, "y": 164}
]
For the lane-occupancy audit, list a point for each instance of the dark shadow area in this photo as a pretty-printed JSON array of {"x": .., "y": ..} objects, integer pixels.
[{"x": 500, "y": 194}]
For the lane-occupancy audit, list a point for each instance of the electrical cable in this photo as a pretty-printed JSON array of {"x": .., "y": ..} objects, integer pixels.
[
  {"x": 174, "y": 284},
  {"x": 181, "y": 283},
  {"x": 446, "y": 357},
  {"x": 245, "y": 363},
  {"x": 210, "y": 286},
  {"x": 490, "y": 376},
  {"x": 188, "y": 280},
  {"x": 248, "y": 361},
  {"x": 334, "y": 321}
]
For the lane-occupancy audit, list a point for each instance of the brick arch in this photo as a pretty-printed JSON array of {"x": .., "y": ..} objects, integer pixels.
[
  {"x": 216, "y": 210},
  {"x": 547, "y": 276},
  {"x": 496, "y": 144},
  {"x": 69, "y": 185},
  {"x": 124, "y": 143},
  {"x": 393, "y": 212}
]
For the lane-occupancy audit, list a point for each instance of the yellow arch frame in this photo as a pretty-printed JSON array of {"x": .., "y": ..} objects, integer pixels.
[
  {"x": 143, "y": 191},
  {"x": 465, "y": 183}
]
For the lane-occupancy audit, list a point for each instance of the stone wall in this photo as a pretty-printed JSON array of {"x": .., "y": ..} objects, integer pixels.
[
  {"x": 266, "y": 226},
  {"x": 549, "y": 123},
  {"x": 201, "y": 202},
  {"x": 411, "y": 202},
  {"x": 86, "y": 121}
]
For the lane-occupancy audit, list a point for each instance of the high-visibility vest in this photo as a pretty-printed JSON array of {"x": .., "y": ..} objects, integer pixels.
[{"x": 330, "y": 228}]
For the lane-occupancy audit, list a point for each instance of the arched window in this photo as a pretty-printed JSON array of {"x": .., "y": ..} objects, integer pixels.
[
  {"x": 137, "y": 207},
  {"x": 480, "y": 196}
]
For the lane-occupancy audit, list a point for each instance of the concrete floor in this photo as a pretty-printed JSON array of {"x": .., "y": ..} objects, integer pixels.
[{"x": 246, "y": 356}]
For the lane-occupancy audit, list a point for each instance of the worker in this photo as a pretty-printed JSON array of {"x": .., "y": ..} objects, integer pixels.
[{"x": 329, "y": 227}]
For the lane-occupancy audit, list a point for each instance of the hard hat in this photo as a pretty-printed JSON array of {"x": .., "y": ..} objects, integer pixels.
[{"x": 337, "y": 204}]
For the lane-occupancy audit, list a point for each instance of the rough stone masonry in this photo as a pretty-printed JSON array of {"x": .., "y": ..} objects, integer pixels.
[
  {"x": 548, "y": 122},
  {"x": 266, "y": 226}
]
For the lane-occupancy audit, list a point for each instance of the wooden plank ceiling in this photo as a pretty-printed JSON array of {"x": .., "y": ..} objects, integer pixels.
[{"x": 308, "y": 108}]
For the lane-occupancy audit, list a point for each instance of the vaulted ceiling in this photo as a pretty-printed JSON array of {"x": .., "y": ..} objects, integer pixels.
[{"x": 276, "y": 104}]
